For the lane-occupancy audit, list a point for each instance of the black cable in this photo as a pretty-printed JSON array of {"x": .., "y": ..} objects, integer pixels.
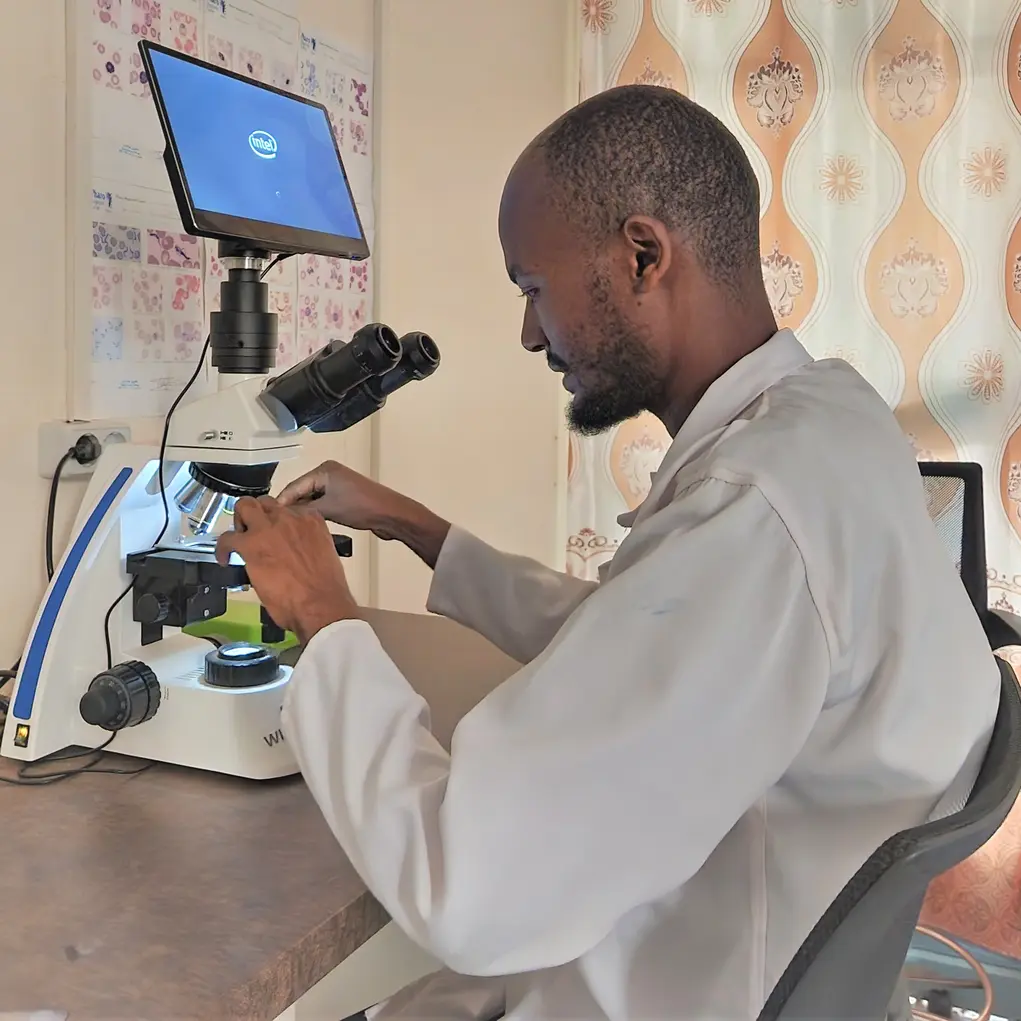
[
  {"x": 275, "y": 262},
  {"x": 51, "y": 510},
  {"x": 163, "y": 492},
  {"x": 106, "y": 623},
  {"x": 28, "y": 775},
  {"x": 86, "y": 450}
]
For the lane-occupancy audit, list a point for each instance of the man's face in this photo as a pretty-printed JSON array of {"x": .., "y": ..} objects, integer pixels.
[{"x": 579, "y": 309}]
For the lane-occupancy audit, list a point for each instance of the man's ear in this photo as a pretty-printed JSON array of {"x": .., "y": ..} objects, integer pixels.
[{"x": 650, "y": 251}]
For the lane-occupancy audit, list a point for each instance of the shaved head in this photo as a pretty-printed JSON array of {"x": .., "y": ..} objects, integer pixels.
[
  {"x": 631, "y": 225},
  {"x": 642, "y": 149}
]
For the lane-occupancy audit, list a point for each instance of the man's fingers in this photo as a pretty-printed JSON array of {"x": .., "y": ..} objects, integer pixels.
[
  {"x": 308, "y": 487},
  {"x": 249, "y": 514},
  {"x": 228, "y": 543}
]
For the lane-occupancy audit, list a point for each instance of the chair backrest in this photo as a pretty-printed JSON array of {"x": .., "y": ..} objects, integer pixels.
[
  {"x": 848, "y": 965},
  {"x": 953, "y": 491}
]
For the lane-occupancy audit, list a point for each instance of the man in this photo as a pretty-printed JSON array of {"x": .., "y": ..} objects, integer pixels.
[{"x": 778, "y": 670}]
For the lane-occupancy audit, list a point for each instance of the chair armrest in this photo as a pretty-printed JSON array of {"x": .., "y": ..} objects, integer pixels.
[{"x": 1002, "y": 628}]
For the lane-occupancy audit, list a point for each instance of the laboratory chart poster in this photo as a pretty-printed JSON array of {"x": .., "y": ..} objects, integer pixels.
[{"x": 153, "y": 286}]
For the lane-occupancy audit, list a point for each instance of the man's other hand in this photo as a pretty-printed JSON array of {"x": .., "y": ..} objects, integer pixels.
[
  {"x": 343, "y": 496},
  {"x": 347, "y": 498},
  {"x": 292, "y": 565}
]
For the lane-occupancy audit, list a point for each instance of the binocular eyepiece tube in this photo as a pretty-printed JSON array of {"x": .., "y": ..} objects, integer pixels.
[
  {"x": 420, "y": 357},
  {"x": 316, "y": 386},
  {"x": 342, "y": 384}
]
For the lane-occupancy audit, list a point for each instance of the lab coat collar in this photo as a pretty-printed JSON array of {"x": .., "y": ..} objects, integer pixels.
[{"x": 725, "y": 399}]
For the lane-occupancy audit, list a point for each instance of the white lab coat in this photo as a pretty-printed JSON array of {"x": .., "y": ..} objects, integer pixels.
[{"x": 779, "y": 669}]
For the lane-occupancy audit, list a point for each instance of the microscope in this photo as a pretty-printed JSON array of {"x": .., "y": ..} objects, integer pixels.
[{"x": 108, "y": 661}]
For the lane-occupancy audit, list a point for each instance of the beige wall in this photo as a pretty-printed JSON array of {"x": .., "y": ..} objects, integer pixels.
[
  {"x": 462, "y": 86},
  {"x": 32, "y": 297}
]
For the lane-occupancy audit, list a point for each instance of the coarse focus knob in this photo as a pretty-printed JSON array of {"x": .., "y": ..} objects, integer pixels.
[
  {"x": 152, "y": 608},
  {"x": 124, "y": 696}
]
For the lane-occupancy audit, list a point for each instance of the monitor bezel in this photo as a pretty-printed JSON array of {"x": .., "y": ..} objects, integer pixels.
[{"x": 272, "y": 237}]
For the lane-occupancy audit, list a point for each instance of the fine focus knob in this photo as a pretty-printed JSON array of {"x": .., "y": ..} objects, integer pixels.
[
  {"x": 241, "y": 665},
  {"x": 124, "y": 696},
  {"x": 152, "y": 608}
]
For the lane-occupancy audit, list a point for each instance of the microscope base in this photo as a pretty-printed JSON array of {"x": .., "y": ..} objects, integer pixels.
[{"x": 227, "y": 730}]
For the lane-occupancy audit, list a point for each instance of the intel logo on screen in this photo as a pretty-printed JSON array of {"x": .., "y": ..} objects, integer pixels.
[{"x": 263, "y": 144}]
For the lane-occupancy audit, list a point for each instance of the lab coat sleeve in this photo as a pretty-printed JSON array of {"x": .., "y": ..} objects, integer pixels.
[
  {"x": 596, "y": 779},
  {"x": 514, "y": 602}
]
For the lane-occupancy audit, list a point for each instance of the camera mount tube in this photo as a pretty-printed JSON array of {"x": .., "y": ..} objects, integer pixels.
[{"x": 243, "y": 333}]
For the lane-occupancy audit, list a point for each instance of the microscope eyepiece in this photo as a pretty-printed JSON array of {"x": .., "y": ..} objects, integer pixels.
[
  {"x": 315, "y": 386},
  {"x": 420, "y": 357}
]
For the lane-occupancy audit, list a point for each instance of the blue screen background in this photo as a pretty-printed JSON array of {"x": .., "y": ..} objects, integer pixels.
[{"x": 212, "y": 117}]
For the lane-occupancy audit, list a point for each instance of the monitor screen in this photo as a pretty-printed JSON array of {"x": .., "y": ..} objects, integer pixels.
[{"x": 249, "y": 161}]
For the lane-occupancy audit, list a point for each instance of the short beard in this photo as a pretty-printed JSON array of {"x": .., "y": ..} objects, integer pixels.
[{"x": 627, "y": 379}]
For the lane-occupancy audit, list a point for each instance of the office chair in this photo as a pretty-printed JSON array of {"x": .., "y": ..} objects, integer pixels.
[{"x": 848, "y": 966}]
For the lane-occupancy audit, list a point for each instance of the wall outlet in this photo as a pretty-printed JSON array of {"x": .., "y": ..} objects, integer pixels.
[{"x": 56, "y": 437}]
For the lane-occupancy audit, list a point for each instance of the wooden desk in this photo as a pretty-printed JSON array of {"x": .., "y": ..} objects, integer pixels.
[
  {"x": 177, "y": 895},
  {"x": 171, "y": 894}
]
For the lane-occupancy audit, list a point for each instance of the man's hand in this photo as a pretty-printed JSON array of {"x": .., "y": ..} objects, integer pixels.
[
  {"x": 343, "y": 496},
  {"x": 292, "y": 565}
]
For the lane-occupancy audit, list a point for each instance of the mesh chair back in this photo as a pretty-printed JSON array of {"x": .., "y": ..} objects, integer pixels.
[{"x": 953, "y": 492}]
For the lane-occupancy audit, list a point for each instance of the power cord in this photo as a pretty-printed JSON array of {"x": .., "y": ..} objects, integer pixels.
[{"x": 86, "y": 450}]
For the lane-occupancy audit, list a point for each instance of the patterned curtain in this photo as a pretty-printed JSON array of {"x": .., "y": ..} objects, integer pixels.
[{"x": 886, "y": 135}]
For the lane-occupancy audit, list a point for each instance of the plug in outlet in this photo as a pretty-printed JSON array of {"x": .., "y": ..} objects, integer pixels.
[{"x": 56, "y": 438}]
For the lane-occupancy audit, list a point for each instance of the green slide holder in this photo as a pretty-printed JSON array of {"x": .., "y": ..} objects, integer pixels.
[{"x": 240, "y": 623}]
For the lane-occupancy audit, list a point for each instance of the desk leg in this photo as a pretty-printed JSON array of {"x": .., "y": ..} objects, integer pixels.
[{"x": 374, "y": 972}]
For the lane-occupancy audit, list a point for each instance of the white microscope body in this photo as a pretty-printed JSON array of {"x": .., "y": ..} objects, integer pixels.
[
  {"x": 224, "y": 729},
  {"x": 107, "y": 654}
]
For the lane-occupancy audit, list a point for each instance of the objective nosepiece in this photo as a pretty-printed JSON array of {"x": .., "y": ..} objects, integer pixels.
[
  {"x": 202, "y": 506},
  {"x": 212, "y": 489}
]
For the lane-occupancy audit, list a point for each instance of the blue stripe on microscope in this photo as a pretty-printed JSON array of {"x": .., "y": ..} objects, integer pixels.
[{"x": 28, "y": 676}]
